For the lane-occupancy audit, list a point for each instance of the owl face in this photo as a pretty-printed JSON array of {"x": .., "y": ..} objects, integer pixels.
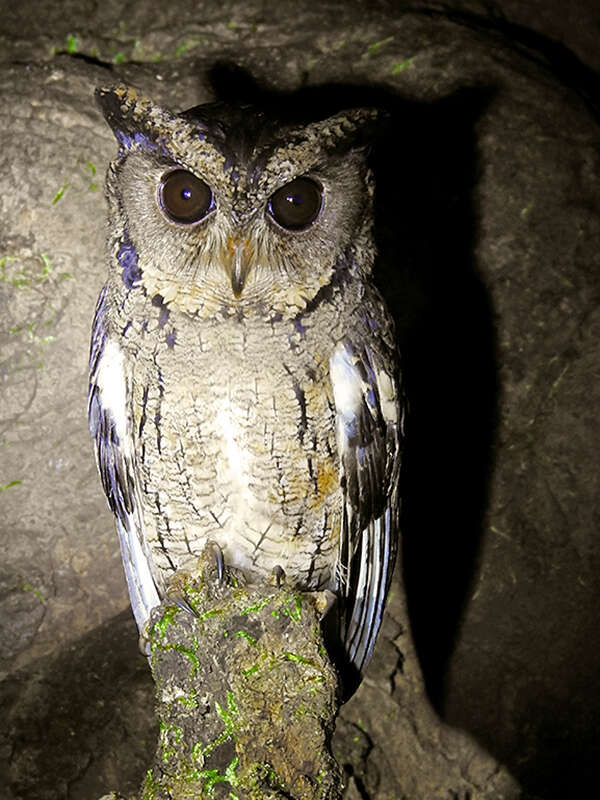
[{"x": 228, "y": 208}]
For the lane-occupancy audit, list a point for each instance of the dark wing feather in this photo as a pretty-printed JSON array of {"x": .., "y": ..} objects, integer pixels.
[{"x": 369, "y": 432}]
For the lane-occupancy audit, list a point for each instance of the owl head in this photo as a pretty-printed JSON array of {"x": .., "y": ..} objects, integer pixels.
[{"x": 224, "y": 207}]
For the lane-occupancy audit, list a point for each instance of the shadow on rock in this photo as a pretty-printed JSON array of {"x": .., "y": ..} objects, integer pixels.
[{"x": 82, "y": 723}]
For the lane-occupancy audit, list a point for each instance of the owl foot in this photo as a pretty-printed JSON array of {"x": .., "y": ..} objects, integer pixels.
[
  {"x": 217, "y": 553},
  {"x": 209, "y": 568},
  {"x": 176, "y": 592},
  {"x": 278, "y": 574},
  {"x": 325, "y": 600}
]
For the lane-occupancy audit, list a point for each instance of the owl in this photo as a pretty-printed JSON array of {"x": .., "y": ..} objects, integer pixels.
[{"x": 244, "y": 381}]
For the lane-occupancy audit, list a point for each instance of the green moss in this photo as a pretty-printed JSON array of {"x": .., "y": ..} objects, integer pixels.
[
  {"x": 228, "y": 716},
  {"x": 46, "y": 262},
  {"x": 402, "y": 65},
  {"x": 255, "y": 607},
  {"x": 196, "y": 600},
  {"x": 196, "y": 768},
  {"x": 171, "y": 736},
  {"x": 294, "y": 657},
  {"x": 188, "y": 653},
  {"x": 373, "y": 48},
  {"x": 31, "y": 330},
  {"x": 168, "y": 728},
  {"x": 361, "y": 725},
  {"x": 27, "y": 587},
  {"x": 245, "y": 635},
  {"x": 150, "y": 786},
  {"x": 161, "y": 625},
  {"x": 527, "y": 209},
  {"x": 187, "y": 45},
  {"x": 9, "y": 485},
  {"x": 189, "y": 701},
  {"x": 211, "y": 777},
  {"x": 92, "y": 168},
  {"x": 59, "y": 194},
  {"x": 294, "y": 608}
]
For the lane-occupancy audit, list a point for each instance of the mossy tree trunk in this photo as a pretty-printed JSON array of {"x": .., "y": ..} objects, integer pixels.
[{"x": 246, "y": 696}]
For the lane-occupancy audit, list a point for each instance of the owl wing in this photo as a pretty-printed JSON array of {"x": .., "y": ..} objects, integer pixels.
[
  {"x": 111, "y": 427},
  {"x": 369, "y": 414}
]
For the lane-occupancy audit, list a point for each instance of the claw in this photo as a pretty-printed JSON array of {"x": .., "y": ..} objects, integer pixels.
[
  {"x": 176, "y": 591},
  {"x": 279, "y": 575},
  {"x": 182, "y": 603},
  {"x": 219, "y": 560},
  {"x": 182, "y": 578}
]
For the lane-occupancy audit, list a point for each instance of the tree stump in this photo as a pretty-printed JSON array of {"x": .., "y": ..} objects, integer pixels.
[{"x": 246, "y": 695}]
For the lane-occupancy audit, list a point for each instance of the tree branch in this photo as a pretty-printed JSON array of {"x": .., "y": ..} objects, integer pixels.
[{"x": 246, "y": 696}]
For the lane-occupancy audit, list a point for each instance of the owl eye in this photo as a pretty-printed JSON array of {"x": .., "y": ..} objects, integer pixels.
[
  {"x": 297, "y": 204},
  {"x": 184, "y": 198}
]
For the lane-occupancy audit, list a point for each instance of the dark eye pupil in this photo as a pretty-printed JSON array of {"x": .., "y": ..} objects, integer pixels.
[
  {"x": 184, "y": 197},
  {"x": 297, "y": 204}
]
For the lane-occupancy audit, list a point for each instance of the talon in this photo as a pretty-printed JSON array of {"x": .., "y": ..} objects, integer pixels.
[
  {"x": 219, "y": 560},
  {"x": 176, "y": 590},
  {"x": 182, "y": 603},
  {"x": 279, "y": 575}
]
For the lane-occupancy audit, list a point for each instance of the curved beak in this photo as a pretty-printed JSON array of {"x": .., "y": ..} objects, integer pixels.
[{"x": 239, "y": 253}]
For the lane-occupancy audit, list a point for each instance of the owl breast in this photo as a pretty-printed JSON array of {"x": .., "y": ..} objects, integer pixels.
[{"x": 236, "y": 445}]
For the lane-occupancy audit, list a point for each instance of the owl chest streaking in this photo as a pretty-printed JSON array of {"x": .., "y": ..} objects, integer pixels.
[{"x": 243, "y": 375}]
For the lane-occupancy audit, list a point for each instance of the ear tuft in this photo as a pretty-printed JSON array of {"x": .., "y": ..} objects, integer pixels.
[
  {"x": 132, "y": 116},
  {"x": 353, "y": 129}
]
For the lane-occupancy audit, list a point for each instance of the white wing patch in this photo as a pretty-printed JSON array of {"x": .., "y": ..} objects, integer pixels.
[
  {"x": 387, "y": 396},
  {"x": 345, "y": 382},
  {"x": 112, "y": 430},
  {"x": 111, "y": 383}
]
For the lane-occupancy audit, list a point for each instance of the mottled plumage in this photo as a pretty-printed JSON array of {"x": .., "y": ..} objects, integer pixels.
[{"x": 243, "y": 385}]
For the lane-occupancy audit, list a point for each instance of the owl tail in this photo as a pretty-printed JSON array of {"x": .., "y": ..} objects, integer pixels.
[
  {"x": 361, "y": 612},
  {"x": 143, "y": 593}
]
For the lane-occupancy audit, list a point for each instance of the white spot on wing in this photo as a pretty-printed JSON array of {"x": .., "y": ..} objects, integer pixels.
[
  {"x": 111, "y": 382},
  {"x": 387, "y": 396},
  {"x": 346, "y": 383}
]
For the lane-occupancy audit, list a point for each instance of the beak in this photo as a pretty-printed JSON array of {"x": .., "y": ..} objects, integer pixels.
[{"x": 238, "y": 263}]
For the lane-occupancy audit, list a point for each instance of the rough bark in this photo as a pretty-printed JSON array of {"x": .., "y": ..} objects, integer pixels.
[{"x": 245, "y": 696}]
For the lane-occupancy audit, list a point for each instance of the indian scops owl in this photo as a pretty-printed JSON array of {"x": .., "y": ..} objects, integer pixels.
[{"x": 243, "y": 372}]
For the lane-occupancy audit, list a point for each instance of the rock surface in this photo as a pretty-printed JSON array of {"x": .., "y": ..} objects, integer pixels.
[{"x": 485, "y": 681}]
